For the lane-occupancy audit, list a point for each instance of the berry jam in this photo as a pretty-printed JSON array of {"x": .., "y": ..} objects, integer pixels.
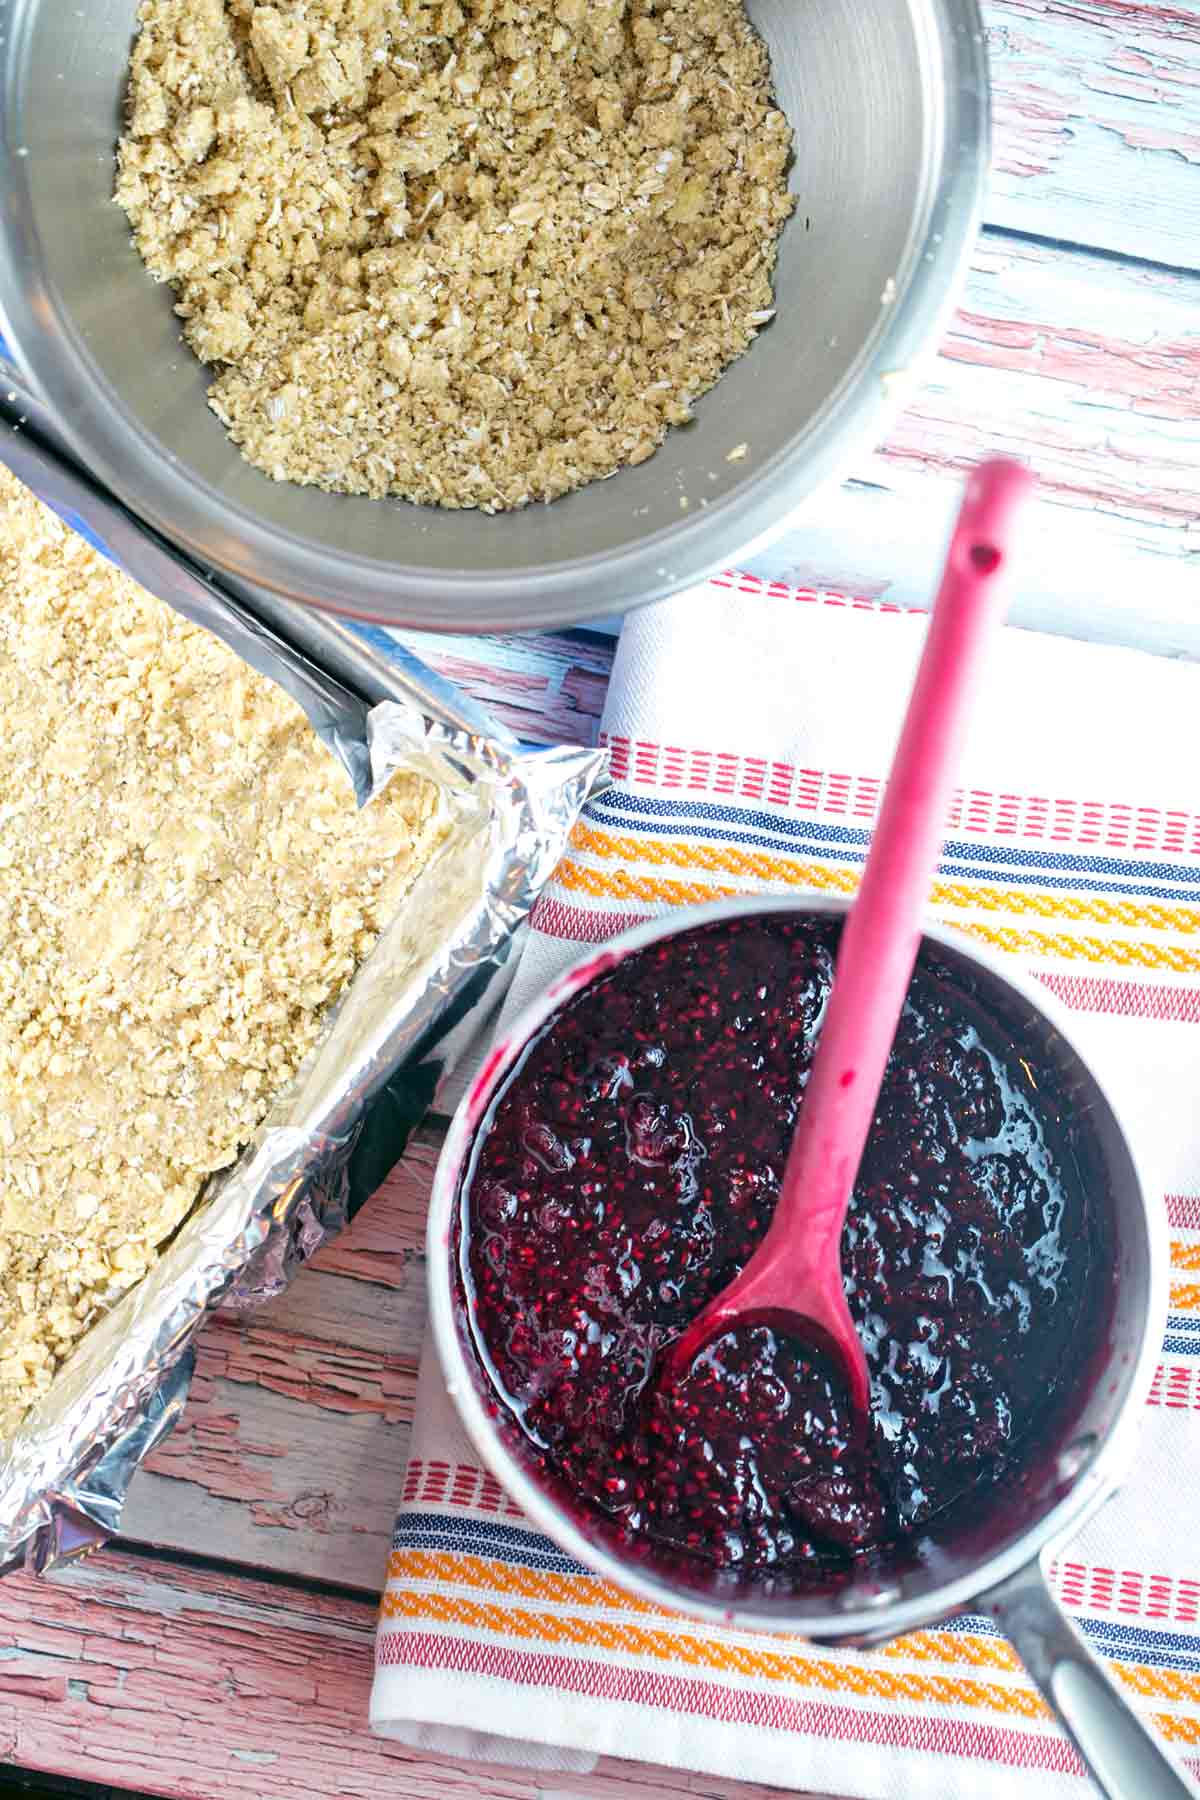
[{"x": 630, "y": 1166}]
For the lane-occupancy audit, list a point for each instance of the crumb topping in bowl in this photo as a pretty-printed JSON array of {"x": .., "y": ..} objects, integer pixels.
[{"x": 471, "y": 254}]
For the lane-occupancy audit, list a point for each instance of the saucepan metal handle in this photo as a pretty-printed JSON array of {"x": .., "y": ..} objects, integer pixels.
[{"x": 1126, "y": 1760}]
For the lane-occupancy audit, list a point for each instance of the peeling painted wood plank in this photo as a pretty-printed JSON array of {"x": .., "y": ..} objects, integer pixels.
[
  {"x": 1089, "y": 367},
  {"x": 281, "y": 1481},
  {"x": 292, "y": 1449},
  {"x": 1097, "y": 123},
  {"x": 547, "y": 687},
  {"x": 191, "y": 1683},
  {"x": 1091, "y": 371},
  {"x": 291, "y": 1452}
]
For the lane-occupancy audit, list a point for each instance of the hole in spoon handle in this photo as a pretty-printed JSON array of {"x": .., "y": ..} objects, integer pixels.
[
  {"x": 985, "y": 557},
  {"x": 983, "y": 533}
]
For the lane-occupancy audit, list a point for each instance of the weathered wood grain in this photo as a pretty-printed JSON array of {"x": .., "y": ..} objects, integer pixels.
[
  {"x": 291, "y": 1452},
  {"x": 200, "y": 1683},
  {"x": 547, "y": 687},
  {"x": 1097, "y": 123},
  {"x": 281, "y": 1482},
  {"x": 1092, "y": 364},
  {"x": 1090, "y": 370}
]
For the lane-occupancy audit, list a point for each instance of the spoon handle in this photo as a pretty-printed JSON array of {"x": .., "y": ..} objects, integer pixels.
[{"x": 883, "y": 932}]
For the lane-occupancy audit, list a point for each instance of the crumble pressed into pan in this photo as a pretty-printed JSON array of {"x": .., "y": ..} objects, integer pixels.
[
  {"x": 471, "y": 252},
  {"x": 185, "y": 884}
]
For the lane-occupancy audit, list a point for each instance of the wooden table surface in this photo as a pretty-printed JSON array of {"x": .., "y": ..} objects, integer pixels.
[{"x": 222, "y": 1646}]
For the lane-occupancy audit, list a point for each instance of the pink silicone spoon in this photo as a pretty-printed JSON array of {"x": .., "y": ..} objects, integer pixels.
[{"x": 794, "y": 1278}]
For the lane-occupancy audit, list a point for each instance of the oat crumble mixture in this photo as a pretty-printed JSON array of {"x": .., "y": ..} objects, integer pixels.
[
  {"x": 185, "y": 882},
  {"x": 470, "y": 252}
]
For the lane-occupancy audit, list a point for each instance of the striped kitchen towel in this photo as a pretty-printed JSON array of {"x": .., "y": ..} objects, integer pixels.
[{"x": 750, "y": 730}]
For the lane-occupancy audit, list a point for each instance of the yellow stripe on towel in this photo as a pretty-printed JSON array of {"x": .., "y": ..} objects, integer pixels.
[
  {"x": 670, "y": 1644},
  {"x": 671, "y": 1638},
  {"x": 1122, "y": 953},
  {"x": 793, "y": 871}
]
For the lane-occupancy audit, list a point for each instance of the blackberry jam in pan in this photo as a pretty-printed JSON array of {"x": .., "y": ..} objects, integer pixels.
[{"x": 628, "y": 1167}]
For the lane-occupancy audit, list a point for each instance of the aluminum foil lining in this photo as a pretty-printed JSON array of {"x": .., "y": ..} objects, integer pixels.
[{"x": 434, "y": 974}]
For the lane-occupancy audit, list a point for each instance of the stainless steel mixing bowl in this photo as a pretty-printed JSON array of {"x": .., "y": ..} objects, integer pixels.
[
  {"x": 991, "y": 1559},
  {"x": 888, "y": 100}
]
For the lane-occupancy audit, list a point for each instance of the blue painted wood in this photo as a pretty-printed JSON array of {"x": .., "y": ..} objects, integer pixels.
[
  {"x": 1097, "y": 123},
  {"x": 1089, "y": 369}
]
